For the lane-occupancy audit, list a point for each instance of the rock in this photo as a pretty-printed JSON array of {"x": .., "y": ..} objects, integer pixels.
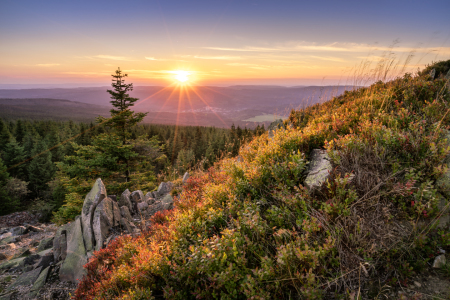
[
  {"x": 8, "y": 240},
  {"x": 137, "y": 196},
  {"x": 185, "y": 177},
  {"x": 319, "y": 170},
  {"x": 417, "y": 284},
  {"x": 12, "y": 264},
  {"x": 113, "y": 197},
  {"x": 33, "y": 229},
  {"x": 103, "y": 220},
  {"x": 39, "y": 283},
  {"x": 92, "y": 200},
  {"x": 149, "y": 198},
  {"x": 164, "y": 188},
  {"x": 45, "y": 244},
  {"x": 27, "y": 278},
  {"x": 167, "y": 201},
  {"x": 60, "y": 243},
  {"x": 6, "y": 296},
  {"x": 274, "y": 126},
  {"x": 142, "y": 207},
  {"x": 72, "y": 268},
  {"x": 3, "y": 256},
  {"x": 19, "y": 230},
  {"x": 125, "y": 224},
  {"x": 125, "y": 213},
  {"x": 5, "y": 235},
  {"x": 25, "y": 253},
  {"x": 125, "y": 200},
  {"x": 116, "y": 213},
  {"x": 30, "y": 260},
  {"x": 439, "y": 261},
  {"x": 45, "y": 261}
]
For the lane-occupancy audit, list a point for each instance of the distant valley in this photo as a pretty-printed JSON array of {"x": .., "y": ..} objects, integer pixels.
[{"x": 201, "y": 106}]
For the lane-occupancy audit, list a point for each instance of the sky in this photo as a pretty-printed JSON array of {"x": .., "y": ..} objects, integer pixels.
[{"x": 283, "y": 42}]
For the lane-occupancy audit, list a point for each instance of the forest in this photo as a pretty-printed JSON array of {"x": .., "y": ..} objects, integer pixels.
[{"x": 46, "y": 164}]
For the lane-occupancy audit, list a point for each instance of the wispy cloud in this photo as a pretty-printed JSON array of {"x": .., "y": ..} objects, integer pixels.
[
  {"x": 47, "y": 65},
  {"x": 223, "y": 57},
  {"x": 328, "y": 58},
  {"x": 112, "y": 57}
]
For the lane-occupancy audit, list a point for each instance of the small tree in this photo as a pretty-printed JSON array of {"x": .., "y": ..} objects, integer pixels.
[{"x": 122, "y": 118}]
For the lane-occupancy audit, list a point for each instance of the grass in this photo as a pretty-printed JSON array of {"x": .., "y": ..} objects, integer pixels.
[{"x": 249, "y": 229}]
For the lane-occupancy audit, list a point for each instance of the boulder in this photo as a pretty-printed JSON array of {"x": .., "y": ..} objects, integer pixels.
[
  {"x": 125, "y": 213},
  {"x": 92, "y": 200},
  {"x": 274, "y": 126},
  {"x": 60, "y": 243},
  {"x": 5, "y": 235},
  {"x": 164, "y": 188},
  {"x": 12, "y": 264},
  {"x": 125, "y": 224},
  {"x": 8, "y": 240},
  {"x": 3, "y": 256},
  {"x": 46, "y": 243},
  {"x": 319, "y": 170},
  {"x": 113, "y": 197},
  {"x": 116, "y": 213},
  {"x": 103, "y": 220},
  {"x": 154, "y": 208},
  {"x": 45, "y": 261},
  {"x": 39, "y": 283},
  {"x": 125, "y": 200},
  {"x": 439, "y": 261},
  {"x": 27, "y": 278},
  {"x": 72, "y": 268},
  {"x": 185, "y": 177},
  {"x": 19, "y": 230},
  {"x": 30, "y": 228},
  {"x": 30, "y": 260},
  {"x": 149, "y": 198},
  {"x": 142, "y": 207}
]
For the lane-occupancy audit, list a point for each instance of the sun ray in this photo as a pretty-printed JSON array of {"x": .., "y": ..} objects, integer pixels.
[
  {"x": 206, "y": 103},
  {"x": 190, "y": 104}
]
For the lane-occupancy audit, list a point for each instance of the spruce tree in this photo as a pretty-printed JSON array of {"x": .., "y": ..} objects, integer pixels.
[
  {"x": 5, "y": 135},
  {"x": 8, "y": 205},
  {"x": 20, "y": 132},
  {"x": 122, "y": 117},
  {"x": 41, "y": 169},
  {"x": 14, "y": 158}
]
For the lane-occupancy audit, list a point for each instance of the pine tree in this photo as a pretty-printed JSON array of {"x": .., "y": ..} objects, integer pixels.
[
  {"x": 122, "y": 118},
  {"x": 20, "y": 131},
  {"x": 56, "y": 148},
  {"x": 5, "y": 135},
  {"x": 41, "y": 169},
  {"x": 8, "y": 205},
  {"x": 14, "y": 157}
]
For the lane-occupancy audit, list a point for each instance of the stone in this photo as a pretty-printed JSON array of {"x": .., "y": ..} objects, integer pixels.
[
  {"x": 153, "y": 209},
  {"x": 24, "y": 253},
  {"x": 137, "y": 196},
  {"x": 30, "y": 260},
  {"x": 45, "y": 244},
  {"x": 142, "y": 207},
  {"x": 60, "y": 243},
  {"x": 39, "y": 283},
  {"x": 113, "y": 197},
  {"x": 3, "y": 256},
  {"x": 164, "y": 188},
  {"x": 167, "y": 200},
  {"x": 19, "y": 230},
  {"x": 27, "y": 278},
  {"x": 125, "y": 200},
  {"x": 45, "y": 261},
  {"x": 103, "y": 220},
  {"x": 6, "y": 296},
  {"x": 125, "y": 224},
  {"x": 92, "y": 200},
  {"x": 439, "y": 261},
  {"x": 149, "y": 198},
  {"x": 116, "y": 213},
  {"x": 185, "y": 177},
  {"x": 8, "y": 240},
  {"x": 72, "y": 268},
  {"x": 12, "y": 264},
  {"x": 5, "y": 235},
  {"x": 125, "y": 213},
  {"x": 33, "y": 229},
  {"x": 274, "y": 126},
  {"x": 319, "y": 170},
  {"x": 417, "y": 284}
]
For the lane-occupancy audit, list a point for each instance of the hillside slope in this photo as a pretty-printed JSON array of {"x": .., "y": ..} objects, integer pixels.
[{"x": 250, "y": 228}]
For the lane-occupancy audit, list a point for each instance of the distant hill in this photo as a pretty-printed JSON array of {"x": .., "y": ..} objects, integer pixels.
[
  {"x": 55, "y": 109},
  {"x": 202, "y": 105}
]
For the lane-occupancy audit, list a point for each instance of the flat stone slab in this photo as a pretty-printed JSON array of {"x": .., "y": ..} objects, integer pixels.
[
  {"x": 319, "y": 170},
  {"x": 14, "y": 263},
  {"x": 39, "y": 283},
  {"x": 26, "y": 279}
]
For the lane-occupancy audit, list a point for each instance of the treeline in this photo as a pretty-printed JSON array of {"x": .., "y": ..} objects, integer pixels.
[{"x": 45, "y": 164}]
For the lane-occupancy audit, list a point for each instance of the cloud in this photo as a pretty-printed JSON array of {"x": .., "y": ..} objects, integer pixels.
[
  {"x": 328, "y": 58},
  {"x": 153, "y": 58},
  {"x": 112, "y": 57},
  {"x": 47, "y": 65},
  {"x": 224, "y": 57}
]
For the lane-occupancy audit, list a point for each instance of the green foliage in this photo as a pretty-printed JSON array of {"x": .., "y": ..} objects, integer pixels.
[
  {"x": 41, "y": 169},
  {"x": 8, "y": 204},
  {"x": 14, "y": 157}
]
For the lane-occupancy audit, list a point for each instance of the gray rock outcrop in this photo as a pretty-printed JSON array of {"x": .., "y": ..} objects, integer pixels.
[
  {"x": 72, "y": 268},
  {"x": 124, "y": 199},
  {"x": 319, "y": 170}
]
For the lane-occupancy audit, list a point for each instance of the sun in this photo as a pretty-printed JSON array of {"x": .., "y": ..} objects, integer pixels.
[{"x": 182, "y": 76}]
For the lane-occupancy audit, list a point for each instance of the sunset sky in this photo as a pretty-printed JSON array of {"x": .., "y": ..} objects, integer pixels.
[{"x": 285, "y": 42}]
